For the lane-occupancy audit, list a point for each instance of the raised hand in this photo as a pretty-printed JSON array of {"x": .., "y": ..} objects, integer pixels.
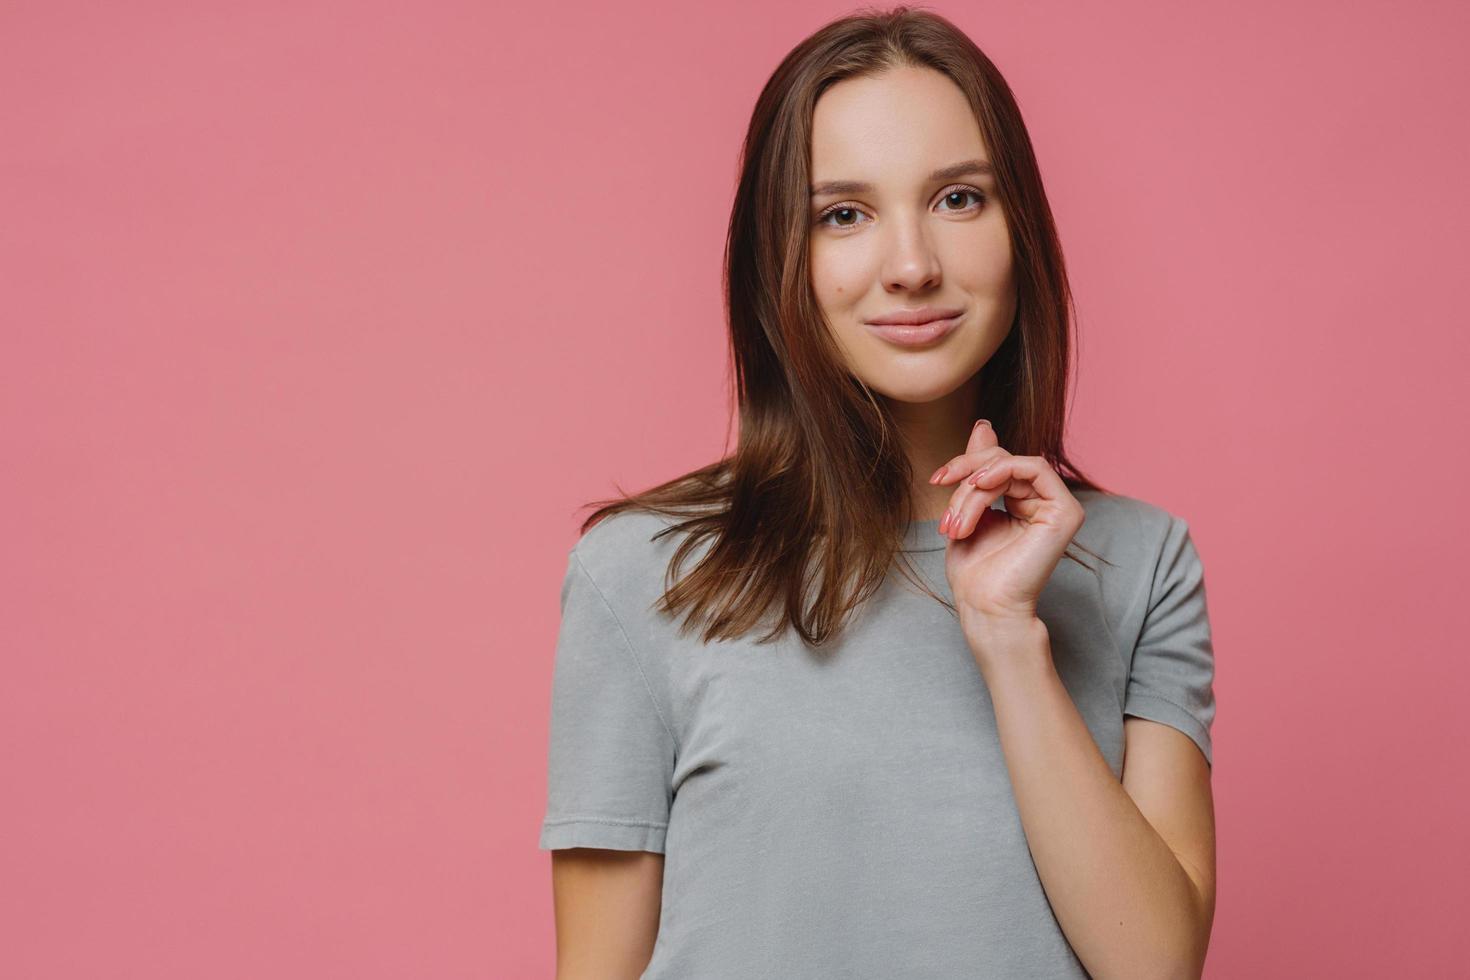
[{"x": 997, "y": 562}]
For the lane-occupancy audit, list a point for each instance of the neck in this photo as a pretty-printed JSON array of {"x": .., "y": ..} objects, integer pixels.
[{"x": 933, "y": 433}]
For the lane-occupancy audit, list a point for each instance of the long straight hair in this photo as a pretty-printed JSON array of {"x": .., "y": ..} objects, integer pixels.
[{"x": 806, "y": 517}]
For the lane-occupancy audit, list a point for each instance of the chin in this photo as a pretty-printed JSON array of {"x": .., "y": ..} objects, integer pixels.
[{"x": 916, "y": 385}]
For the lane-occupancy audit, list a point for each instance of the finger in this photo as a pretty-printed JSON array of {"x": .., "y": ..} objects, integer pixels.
[
  {"x": 972, "y": 506},
  {"x": 975, "y": 478},
  {"x": 971, "y": 511},
  {"x": 1022, "y": 477},
  {"x": 982, "y": 438},
  {"x": 959, "y": 501}
]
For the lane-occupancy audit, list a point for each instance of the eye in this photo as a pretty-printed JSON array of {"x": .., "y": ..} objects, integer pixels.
[
  {"x": 839, "y": 209},
  {"x": 962, "y": 192},
  {"x": 849, "y": 214}
]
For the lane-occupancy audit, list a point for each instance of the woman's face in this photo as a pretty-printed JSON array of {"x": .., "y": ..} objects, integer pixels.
[{"x": 914, "y": 237}]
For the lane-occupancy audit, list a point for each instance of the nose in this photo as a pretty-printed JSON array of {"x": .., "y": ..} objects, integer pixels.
[{"x": 911, "y": 262}]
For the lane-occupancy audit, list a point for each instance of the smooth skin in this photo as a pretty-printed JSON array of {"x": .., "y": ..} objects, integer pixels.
[
  {"x": 1129, "y": 869},
  {"x": 918, "y": 236},
  {"x": 607, "y": 910}
]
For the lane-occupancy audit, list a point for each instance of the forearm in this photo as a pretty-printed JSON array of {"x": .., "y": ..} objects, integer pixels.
[{"x": 1124, "y": 901}]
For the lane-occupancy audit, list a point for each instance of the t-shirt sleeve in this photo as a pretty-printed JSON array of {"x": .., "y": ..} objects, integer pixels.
[
  {"x": 610, "y": 755},
  {"x": 1171, "y": 679}
]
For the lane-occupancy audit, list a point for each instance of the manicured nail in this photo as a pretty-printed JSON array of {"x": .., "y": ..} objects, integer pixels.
[
  {"x": 978, "y": 424},
  {"x": 944, "y": 522},
  {"x": 939, "y": 473},
  {"x": 974, "y": 480}
]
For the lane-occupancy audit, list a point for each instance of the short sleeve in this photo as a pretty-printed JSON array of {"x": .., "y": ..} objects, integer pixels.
[
  {"x": 1171, "y": 677},
  {"x": 610, "y": 755}
]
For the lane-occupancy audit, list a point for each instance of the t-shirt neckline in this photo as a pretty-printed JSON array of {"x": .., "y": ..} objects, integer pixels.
[{"x": 925, "y": 536}]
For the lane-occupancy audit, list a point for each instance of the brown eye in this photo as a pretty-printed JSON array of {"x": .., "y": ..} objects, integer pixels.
[
  {"x": 845, "y": 213},
  {"x": 963, "y": 193}
]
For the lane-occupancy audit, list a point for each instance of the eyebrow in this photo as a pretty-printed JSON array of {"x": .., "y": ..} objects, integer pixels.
[{"x": 966, "y": 168}]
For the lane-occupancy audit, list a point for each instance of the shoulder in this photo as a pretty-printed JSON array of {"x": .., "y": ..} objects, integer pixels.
[
  {"x": 1147, "y": 554},
  {"x": 628, "y": 556},
  {"x": 1128, "y": 528},
  {"x": 626, "y": 543},
  {"x": 628, "y": 560},
  {"x": 1114, "y": 509}
]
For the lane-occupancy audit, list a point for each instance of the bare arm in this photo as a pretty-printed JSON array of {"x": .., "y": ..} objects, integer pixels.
[
  {"x": 1131, "y": 880},
  {"x": 607, "y": 911}
]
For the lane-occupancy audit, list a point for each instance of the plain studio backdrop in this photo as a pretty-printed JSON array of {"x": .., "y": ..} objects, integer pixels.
[{"x": 318, "y": 322}]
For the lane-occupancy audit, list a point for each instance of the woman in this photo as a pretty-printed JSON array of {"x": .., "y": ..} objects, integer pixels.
[{"x": 846, "y": 772}]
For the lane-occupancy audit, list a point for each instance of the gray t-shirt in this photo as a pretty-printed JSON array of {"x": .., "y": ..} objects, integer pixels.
[{"x": 850, "y": 815}]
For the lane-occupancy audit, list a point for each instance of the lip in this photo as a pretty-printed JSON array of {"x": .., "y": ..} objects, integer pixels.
[
  {"x": 915, "y": 317},
  {"x": 916, "y": 334}
]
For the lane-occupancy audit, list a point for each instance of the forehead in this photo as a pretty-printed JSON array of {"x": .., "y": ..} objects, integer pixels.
[{"x": 894, "y": 128}]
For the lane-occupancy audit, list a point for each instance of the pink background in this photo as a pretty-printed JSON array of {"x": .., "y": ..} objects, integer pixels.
[{"x": 320, "y": 321}]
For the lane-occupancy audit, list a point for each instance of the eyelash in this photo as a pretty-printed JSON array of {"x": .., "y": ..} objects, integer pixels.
[{"x": 844, "y": 206}]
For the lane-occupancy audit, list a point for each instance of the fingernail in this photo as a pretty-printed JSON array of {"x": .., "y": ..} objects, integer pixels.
[
  {"x": 939, "y": 473},
  {"x": 944, "y": 522},
  {"x": 980, "y": 423}
]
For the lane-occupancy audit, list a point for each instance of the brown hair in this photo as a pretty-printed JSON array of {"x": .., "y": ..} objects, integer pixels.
[{"x": 814, "y": 501}]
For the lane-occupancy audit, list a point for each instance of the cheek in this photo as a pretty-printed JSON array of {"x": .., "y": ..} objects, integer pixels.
[
  {"x": 823, "y": 283},
  {"x": 999, "y": 261},
  {"x": 837, "y": 276},
  {"x": 983, "y": 262}
]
